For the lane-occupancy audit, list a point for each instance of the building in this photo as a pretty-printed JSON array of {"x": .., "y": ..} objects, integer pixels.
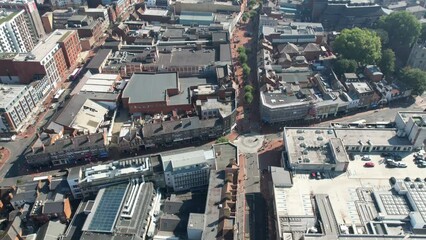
[
  {"x": 413, "y": 126},
  {"x": 67, "y": 150},
  {"x": 99, "y": 60},
  {"x": 338, "y": 15},
  {"x": 70, "y": 45},
  {"x": 279, "y": 32},
  {"x": 15, "y": 32},
  {"x": 195, "y": 226},
  {"x": 96, "y": 13},
  {"x": 156, "y": 93},
  {"x": 86, "y": 26},
  {"x": 46, "y": 59},
  {"x": 417, "y": 57},
  {"x": 196, "y": 18},
  {"x": 302, "y": 147},
  {"x": 363, "y": 93},
  {"x": 87, "y": 181},
  {"x": 32, "y": 16},
  {"x": 125, "y": 211},
  {"x": 18, "y": 106},
  {"x": 97, "y": 83},
  {"x": 66, "y": 3},
  {"x": 206, "y": 6},
  {"x": 47, "y": 20},
  {"x": 187, "y": 170}
]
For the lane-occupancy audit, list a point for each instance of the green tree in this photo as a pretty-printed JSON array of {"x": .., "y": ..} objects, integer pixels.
[
  {"x": 248, "y": 97},
  {"x": 415, "y": 78},
  {"x": 241, "y": 49},
  {"x": 387, "y": 63},
  {"x": 243, "y": 57},
  {"x": 383, "y": 35},
  {"x": 402, "y": 27},
  {"x": 358, "y": 44},
  {"x": 343, "y": 65},
  {"x": 246, "y": 70},
  {"x": 248, "y": 88},
  {"x": 245, "y": 17},
  {"x": 423, "y": 32},
  {"x": 222, "y": 140}
]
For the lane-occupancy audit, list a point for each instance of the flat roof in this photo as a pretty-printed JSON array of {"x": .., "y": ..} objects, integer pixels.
[
  {"x": 174, "y": 162},
  {"x": 8, "y": 93},
  {"x": 225, "y": 152},
  {"x": 150, "y": 87},
  {"x": 196, "y": 221},
  {"x": 186, "y": 57},
  {"x": 8, "y": 15},
  {"x": 99, "y": 59},
  {"x": 187, "y": 124},
  {"x": 281, "y": 177},
  {"x": 225, "y": 52},
  {"x": 378, "y": 137}
]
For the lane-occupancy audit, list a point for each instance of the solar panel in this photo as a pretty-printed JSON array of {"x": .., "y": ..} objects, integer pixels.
[{"x": 108, "y": 209}]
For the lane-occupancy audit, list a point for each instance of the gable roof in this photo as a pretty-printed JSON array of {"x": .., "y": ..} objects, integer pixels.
[
  {"x": 289, "y": 48},
  {"x": 312, "y": 47}
]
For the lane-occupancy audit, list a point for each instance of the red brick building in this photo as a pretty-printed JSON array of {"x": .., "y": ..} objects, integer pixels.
[{"x": 71, "y": 47}]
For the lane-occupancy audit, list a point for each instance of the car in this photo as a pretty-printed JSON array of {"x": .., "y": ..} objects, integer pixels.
[
  {"x": 369, "y": 164},
  {"x": 386, "y": 154},
  {"x": 318, "y": 175},
  {"x": 397, "y": 157},
  {"x": 402, "y": 165},
  {"x": 323, "y": 175},
  {"x": 422, "y": 165},
  {"x": 366, "y": 158},
  {"x": 313, "y": 175},
  {"x": 391, "y": 163},
  {"x": 351, "y": 156}
]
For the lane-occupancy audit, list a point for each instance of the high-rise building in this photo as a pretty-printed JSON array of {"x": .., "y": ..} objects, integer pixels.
[
  {"x": 17, "y": 105},
  {"x": 15, "y": 34},
  {"x": 32, "y": 16}
]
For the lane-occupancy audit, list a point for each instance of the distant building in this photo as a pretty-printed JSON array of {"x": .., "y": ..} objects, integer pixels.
[
  {"x": 206, "y": 6},
  {"x": 188, "y": 170},
  {"x": 66, "y": 3},
  {"x": 18, "y": 106},
  {"x": 417, "y": 58},
  {"x": 70, "y": 46}
]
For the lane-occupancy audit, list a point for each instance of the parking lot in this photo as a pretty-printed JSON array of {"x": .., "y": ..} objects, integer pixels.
[{"x": 341, "y": 188}]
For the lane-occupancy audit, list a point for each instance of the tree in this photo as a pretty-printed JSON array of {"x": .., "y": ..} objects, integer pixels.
[
  {"x": 415, "y": 78},
  {"x": 248, "y": 88},
  {"x": 383, "y": 35},
  {"x": 246, "y": 70},
  {"x": 248, "y": 97},
  {"x": 358, "y": 44},
  {"x": 243, "y": 58},
  {"x": 343, "y": 65},
  {"x": 222, "y": 140},
  {"x": 245, "y": 17},
  {"x": 387, "y": 63},
  {"x": 241, "y": 49},
  {"x": 402, "y": 27}
]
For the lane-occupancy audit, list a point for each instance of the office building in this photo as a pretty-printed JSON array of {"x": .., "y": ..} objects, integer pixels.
[
  {"x": 70, "y": 45},
  {"x": 413, "y": 126},
  {"x": 15, "y": 33},
  {"x": 18, "y": 105},
  {"x": 187, "y": 170}
]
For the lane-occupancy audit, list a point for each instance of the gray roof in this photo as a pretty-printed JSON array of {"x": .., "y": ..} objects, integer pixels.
[
  {"x": 158, "y": 129},
  {"x": 149, "y": 87},
  {"x": 225, "y": 53},
  {"x": 51, "y": 231},
  {"x": 281, "y": 177},
  {"x": 53, "y": 207},
  {"x": 196, "y": 221},
  {"x": 219, "y": 36},
  {"x": 98, "y": 59}
]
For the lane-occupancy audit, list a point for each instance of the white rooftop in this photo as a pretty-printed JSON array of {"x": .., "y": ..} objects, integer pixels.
[{"x": 9, "y": 92}]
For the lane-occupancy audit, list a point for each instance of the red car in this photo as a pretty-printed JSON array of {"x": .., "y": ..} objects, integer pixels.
[{"x": 369, "y": 164}]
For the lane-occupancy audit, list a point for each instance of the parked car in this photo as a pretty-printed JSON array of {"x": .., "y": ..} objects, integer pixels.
[
  {"x": 397, "y": 157},
  {"x": 318, "y": 175},
  {"x": 391, "y": 163},
  {"x": 313, "y": 175},
  {"x": 366, "y": 158},
  {"x": 422, "y": 165},
  {"x": 351, "y": 156},
  {"x": 402, "y": 165},
  {"x": 369, "y": 164}
]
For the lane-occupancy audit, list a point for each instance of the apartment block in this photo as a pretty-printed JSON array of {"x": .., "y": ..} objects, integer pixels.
[
  {"x": 32, "y": 16},
  {"x": 48, "y": 58},
  {"x": 70, "y": 46},
  {"x": 17, "y": 105},
  {"x": 15, "y": 33}
]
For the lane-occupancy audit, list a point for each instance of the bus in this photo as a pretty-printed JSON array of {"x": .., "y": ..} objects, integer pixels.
[
  {"x": 74, "y": 74},
  {"x": 58, "y": 94}
]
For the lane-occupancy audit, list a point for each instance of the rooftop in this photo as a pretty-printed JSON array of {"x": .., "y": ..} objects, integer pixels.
[
  {"x": 186, "y": 124},
  {"x": 176, "y": 162},
  {"x": 100, "y": 57},
  {"x": 187, "y": 57},
  {"x": 150, "y": 87},
  {"x": 7, "y": 15},
  {"x": 418, "y": 117},
  {"x": 9, "y": 93},
  {"x": 374, "y": 136},
  {"x": 224, "y": 154}
]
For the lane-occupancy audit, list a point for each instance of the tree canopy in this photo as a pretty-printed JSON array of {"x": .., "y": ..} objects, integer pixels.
[
  {"x": 423, "y": 32},
  {"x": 222, "y": 140},
  {"x": 387, "y": 63},
  {"x": 246, "y": 69},
  {"x": 383, "y": 35},
  {"x": 248, "y": 97},
  {"x": 343, "y": 65},
  {"x": 361, "y": 45},
  {"x": 248, "y": 88},
  {"x": 402, "y": 27},
  {"x": 415, "y": 78},
  {"x": 243, "y": 57}
]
